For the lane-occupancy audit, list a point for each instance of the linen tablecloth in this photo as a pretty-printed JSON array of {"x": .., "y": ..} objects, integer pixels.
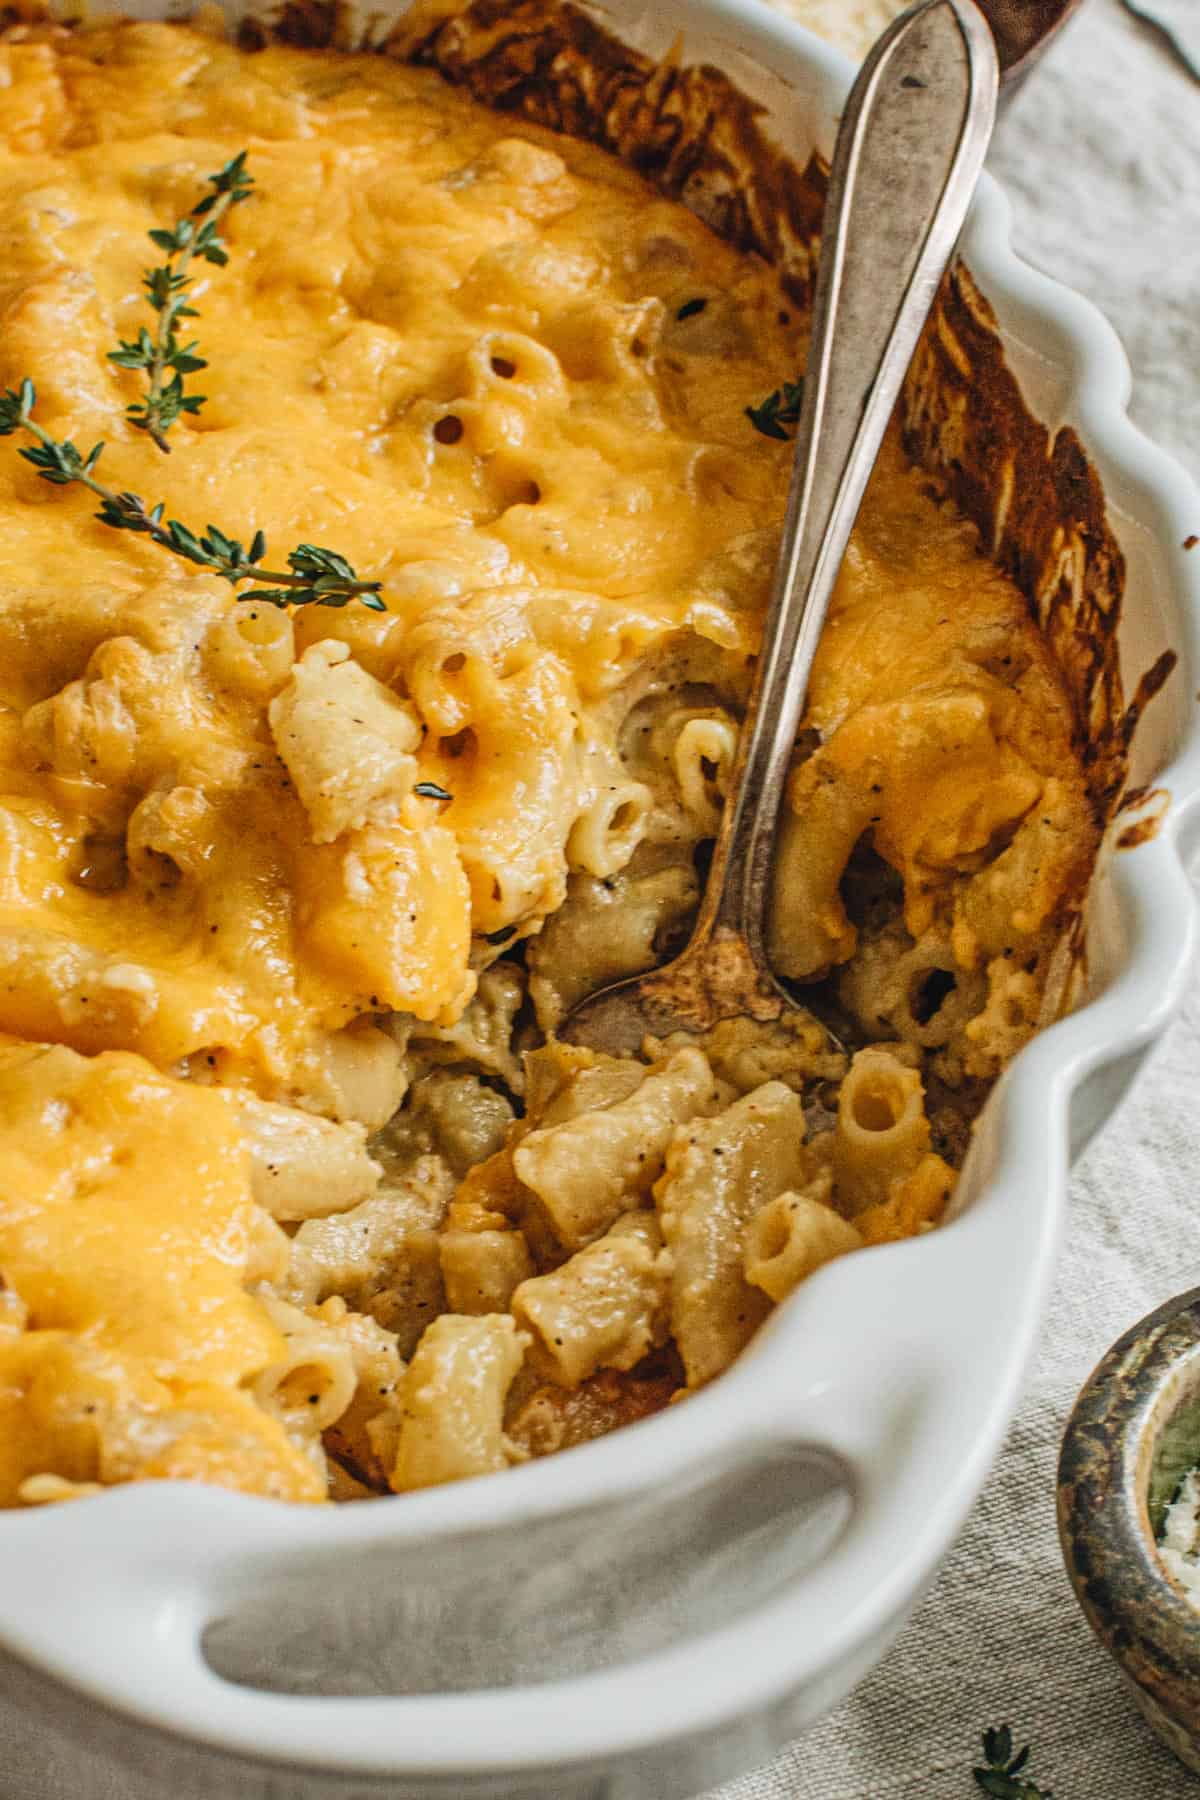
[{"x": 1101, "y": 157}]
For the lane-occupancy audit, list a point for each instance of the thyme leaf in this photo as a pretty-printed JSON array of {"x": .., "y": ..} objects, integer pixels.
[
  {"x": 432, "y": 791},
  {"x": 779, "y": 410},
  {"x": 314, "y": 576},
  {"x": 1002, "y": 1778},
  {"x": 164, "y": 358}
]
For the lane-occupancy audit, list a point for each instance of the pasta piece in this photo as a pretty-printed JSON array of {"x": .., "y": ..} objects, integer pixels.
[
  {"x": 206, "y": 1434},
  {"x": 268, "y": 1251},
  {"x": 588, "y": 1169},
  {"x": 346, "y": 740},
  {"x": 454, "y": 1397},
  {"x": 50, "y": 1490},
  {"x": 915, "y": 992},
  {"x": 609, "y": 829},
  {"x": 736, "y": 578},
  {"x": 363, "y": 1438},
  {"x": 683, "y": 753},
  {"x": 356, "y": 1075},
  {"x": 303, "y": 1167},
  {"x": 882, "y": 1132},
  {"x": 90, "y": 729},
  {"x": 613, "y": 813},
  {"x": 253, "y": 649},
  {"x": 169, "y": 837},
  {"x": 510, "y": 370},
  {"x": 719, "y": 1172},
  {"x": 501, "y": 714},
  {"x": 791, "y": 1236},
  {"x": 483, "y": 1269},
  {"x": 381, "y": 1257},
  {"x": 526, "y": 277},
  {"x": 1011, "y": 1014},
  {"x": 680, "y": 751},
  {"x": 563, "y": 1081},
  {"x": 484, "y": 1259},
  {"x": 595, "y": 339},
  {"x": 604, "y": 1308},
  {"x": 384, "y": 920},
  {"x": 528, "y": 178},
  {"x": 313, "y": 1383},
  {"x": 703, "y": 760},
  {"x": 1015, "y": 896}
]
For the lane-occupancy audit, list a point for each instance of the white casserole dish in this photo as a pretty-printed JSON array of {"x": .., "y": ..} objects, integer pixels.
[{"x": 655, "y": 1611}]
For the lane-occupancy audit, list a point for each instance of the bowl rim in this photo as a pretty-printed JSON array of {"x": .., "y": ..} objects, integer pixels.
[
  {"x": 930, "y": 1369},
  {"x": 1106, "y": 1462}
]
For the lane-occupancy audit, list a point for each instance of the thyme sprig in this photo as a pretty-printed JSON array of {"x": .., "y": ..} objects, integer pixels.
[
  {"x": 165, "y": 360},
  {"x": 779, "y": 410},
  {"x": 1002, "y": 1779},
  {"x": 314, "y": 576}
]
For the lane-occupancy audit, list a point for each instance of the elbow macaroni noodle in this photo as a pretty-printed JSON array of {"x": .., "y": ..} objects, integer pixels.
[{"x": 299, "y": 1193}]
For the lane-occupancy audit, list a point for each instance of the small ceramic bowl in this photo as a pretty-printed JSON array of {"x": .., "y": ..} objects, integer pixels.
[{"x": 1133, "y": 1434}]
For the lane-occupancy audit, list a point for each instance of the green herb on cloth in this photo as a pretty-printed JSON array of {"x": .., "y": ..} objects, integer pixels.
[
  {"x": 1003, "y": 1778},
  {"x": 165, "y": 360}
]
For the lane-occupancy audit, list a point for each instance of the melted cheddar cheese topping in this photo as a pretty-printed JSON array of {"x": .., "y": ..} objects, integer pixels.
[
  {"x": 404, "y": 263},
  {"x": 502, "y": 376},
  {"x": 127, "y": 1230}
]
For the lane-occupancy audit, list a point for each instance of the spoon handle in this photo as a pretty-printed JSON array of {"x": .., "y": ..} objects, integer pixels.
[{"x": 908, "y": 155}]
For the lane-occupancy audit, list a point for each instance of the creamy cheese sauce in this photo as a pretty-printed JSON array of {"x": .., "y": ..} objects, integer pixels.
[{"x": 503, "y": 377}]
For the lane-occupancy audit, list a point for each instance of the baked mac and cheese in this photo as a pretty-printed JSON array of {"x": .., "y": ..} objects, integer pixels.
[{"x": 300, "y": 1192}]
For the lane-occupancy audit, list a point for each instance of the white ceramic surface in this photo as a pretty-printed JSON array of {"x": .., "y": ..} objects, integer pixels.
[{"x": 642, "y": 1616}]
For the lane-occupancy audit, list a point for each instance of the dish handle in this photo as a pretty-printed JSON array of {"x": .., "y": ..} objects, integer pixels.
[{"x": 766, "y": 1616}]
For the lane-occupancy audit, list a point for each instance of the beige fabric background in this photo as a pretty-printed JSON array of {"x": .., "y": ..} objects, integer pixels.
[{"x": 1101, "y": 156}]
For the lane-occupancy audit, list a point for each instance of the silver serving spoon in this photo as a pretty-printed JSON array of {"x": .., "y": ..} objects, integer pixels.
[
  {"x": 909, "y": 151},
  {"x": 1023, "y": 30}
]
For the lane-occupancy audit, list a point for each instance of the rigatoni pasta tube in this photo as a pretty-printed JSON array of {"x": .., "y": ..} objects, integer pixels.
[
  {"x": 881, "y": 1133},
  {"x": 604, "y": 1308},
  {"x": 304, "y": 1167},
  {"x": 482, "y": 1269},
  {"x": 586, "y": 1170},
  {"x": 253, "y": 649},
  {"x": 329, "y": 703},
  {"x": 608, "y": 831},
  {"x": 454, "y": 1397},
  {"x": 791, "y": 1236},
  {"x": 313, "y": 1383},
  {"x": 719, "y": 1172}
]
